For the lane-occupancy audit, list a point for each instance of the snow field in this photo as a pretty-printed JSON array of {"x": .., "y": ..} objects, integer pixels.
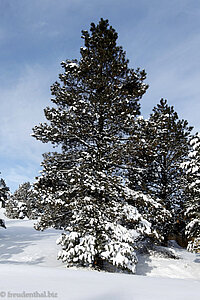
[{"x": 29, "y": 268}]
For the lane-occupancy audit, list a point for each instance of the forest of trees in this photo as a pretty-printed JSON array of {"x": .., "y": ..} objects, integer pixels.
[{"x": 117, "y": 179}]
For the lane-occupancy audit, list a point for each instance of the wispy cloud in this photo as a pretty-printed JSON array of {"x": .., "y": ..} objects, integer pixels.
[{"x": 21, "y": 109}]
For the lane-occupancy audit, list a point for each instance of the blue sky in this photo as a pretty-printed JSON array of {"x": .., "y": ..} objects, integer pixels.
[{"x": 161, "y": 36}]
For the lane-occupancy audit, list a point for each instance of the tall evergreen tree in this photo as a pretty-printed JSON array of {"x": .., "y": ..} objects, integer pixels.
[
  {"x": 81, "y": 189},
  {"x": 160, "y": 145},
  {"x": 192, "y": 204}
]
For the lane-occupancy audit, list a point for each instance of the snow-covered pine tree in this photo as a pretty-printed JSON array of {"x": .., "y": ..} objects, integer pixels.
[
  {"x": 4, "y": 196},
  {"x": 192, "y": 204},
  {"x": 22, "y": 203},
  {"x": 81, "y": 189},
  {"x": 139, "y": 156},
  {"x": 4, "y": 193},
  {"x": 160, "y": 145}
]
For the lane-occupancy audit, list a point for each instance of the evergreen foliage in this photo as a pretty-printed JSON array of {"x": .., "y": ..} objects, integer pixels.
[
  {"x": 4, "y": 193},
  {"x": 82, "y": 188},
  {"x": 159, "y": 147},
  {"x": 116, "y": 178},
  {"x": 86, "y": 204},
  {"x": 4, "y": 196},
  {"x": 22, "y": 203},
  {"x": 192, "y": 203}
]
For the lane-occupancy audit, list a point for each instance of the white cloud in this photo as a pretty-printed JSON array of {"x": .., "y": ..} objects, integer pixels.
[{"x": 21, "y": 108}]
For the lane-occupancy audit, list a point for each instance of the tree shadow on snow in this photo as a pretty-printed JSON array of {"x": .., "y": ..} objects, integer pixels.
[
  {"x": 14, "y": 262},
  {"x": 16, "y": 239},
  {"x": 197, "y": 259},
  {"x": 108, "y": 295},
  {"x": 143, "y": 266}
]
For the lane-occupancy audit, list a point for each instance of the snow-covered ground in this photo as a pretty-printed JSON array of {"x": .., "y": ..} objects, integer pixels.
[{"x": 30, "y": 270}]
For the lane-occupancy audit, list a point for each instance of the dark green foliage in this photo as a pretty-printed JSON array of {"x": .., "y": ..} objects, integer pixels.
[
  {"x": 81, "y": 188},
  {"x": 95, "y": 107},
  {"x": 160, "y": 145},
  {"x": 192, "y": 190},
  {"x": 96, "y": 102},
  {"x": 93, "y": 101},
  {"x": 4, "y": 196},
  {"x": 4, "y": 193}
]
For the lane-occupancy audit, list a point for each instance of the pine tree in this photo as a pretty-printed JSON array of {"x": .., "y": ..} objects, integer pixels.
[
  {"x": 140, "y": 154},
  {"x": 22, "y": 203},
  {"x": 192, "y": 204},
  {"x": 81, "y": 188},
  {"x": 4, "y": 196},
  {"x": 160, "y": 145},
  {"x": 4, "y": 192}
]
